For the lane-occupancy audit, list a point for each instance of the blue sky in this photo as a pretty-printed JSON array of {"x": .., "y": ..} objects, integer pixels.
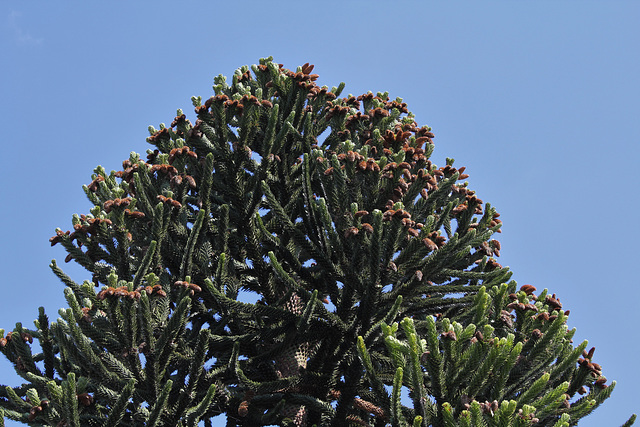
[{"x": 540, "y": 100}]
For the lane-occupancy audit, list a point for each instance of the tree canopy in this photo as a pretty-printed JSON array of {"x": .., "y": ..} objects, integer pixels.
[{"x": 294, "y": 257}]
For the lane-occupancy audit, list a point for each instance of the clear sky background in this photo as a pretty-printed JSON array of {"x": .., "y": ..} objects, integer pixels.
[{"x": 540, "y": 100}]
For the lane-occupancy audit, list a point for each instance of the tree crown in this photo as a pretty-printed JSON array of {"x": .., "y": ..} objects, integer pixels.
[{"x": 373, "y": 271}]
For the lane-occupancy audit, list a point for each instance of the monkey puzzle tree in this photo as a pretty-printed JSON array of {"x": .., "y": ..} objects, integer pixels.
[{"x": 375, "y": 295}]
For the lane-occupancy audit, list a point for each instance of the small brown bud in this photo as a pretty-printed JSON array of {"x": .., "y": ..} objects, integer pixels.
[
  {"x": 85, "y": 399},
  {"x": 33, "y": 412},
  {"x": 351, "y": 231},
  {"x": 527, "y": 289},
  {"x": 429, "y": 244},
  {"x": 26, "y": 337},
  {"x": 553, "y": 302},
  {"x": 367, "y": 227},
  {"x": 449, "y": 335}
]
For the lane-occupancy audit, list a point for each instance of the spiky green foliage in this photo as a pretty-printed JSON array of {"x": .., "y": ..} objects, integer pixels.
[
  {"x": 505, "y": 370},
  {"x": 329, "y": 214}
]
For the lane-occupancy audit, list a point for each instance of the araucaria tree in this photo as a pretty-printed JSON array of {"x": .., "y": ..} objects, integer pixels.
[{"x": 293, "y": 257}]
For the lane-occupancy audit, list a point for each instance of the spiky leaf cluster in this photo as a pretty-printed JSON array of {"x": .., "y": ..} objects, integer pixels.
[{"x": 507, "y": 361}]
